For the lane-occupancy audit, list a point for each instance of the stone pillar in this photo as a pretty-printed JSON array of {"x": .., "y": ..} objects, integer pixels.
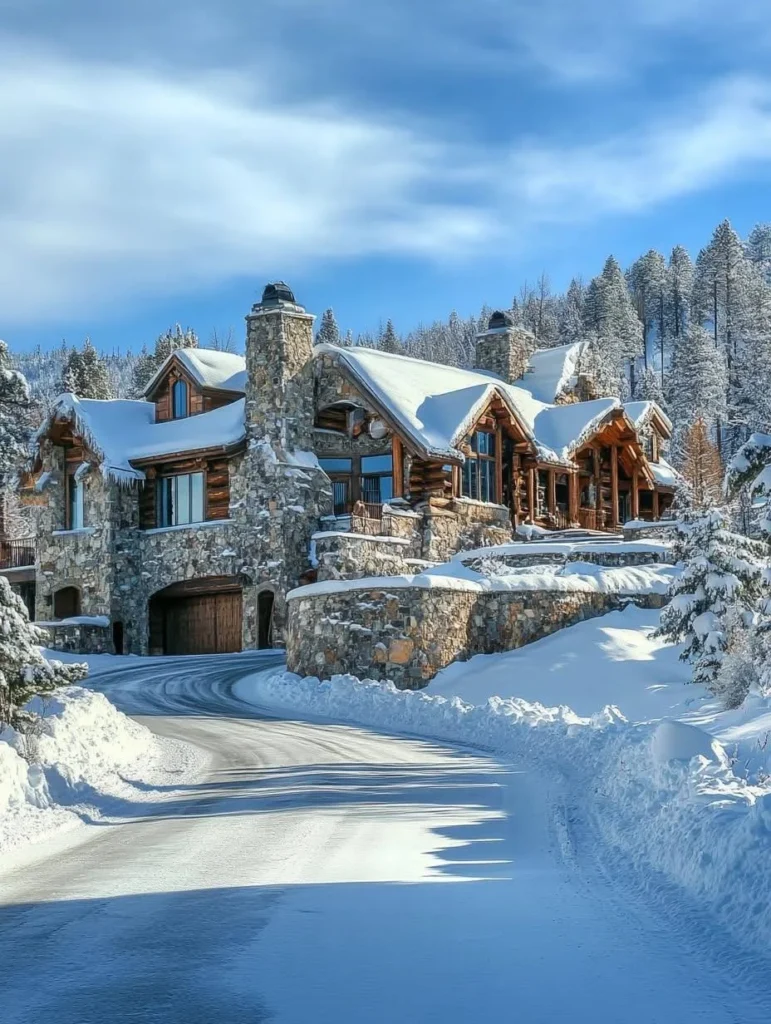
[
  {"x": 279, "y": 385},
  {"x": 504, "y": 348}
]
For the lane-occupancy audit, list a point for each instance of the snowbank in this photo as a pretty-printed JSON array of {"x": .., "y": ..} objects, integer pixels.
[
  {"x": 689, "y": 823},
  {"x": 73, "y": 759}
]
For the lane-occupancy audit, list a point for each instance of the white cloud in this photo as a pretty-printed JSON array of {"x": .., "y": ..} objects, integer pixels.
[{"x": 118, "y": 181}]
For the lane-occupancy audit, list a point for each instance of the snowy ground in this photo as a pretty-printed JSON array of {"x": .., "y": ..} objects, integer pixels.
[
  {"x": 78, "y": 765},
  {"x": 318, "y": 871}
]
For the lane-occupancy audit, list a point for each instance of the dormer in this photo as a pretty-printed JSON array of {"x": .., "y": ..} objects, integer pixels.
[{"x": 192, "y": 381}]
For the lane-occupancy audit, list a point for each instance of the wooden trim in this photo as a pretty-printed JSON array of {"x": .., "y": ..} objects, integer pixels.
[
  {"x": 635, "y": 494},
  {"x": 531, "y": 500},
  {"x": 655, "y": 504},
  {"x": 398, "y": 465},
  {"x": 614, "y": 484},
  {"x": 499, "y": 465},
  {"x": 573, "y": 497},
  {"x": 551, "y": 491},
  {"x": 197, "y": 453},
  {"x": 597, "y": 478}
]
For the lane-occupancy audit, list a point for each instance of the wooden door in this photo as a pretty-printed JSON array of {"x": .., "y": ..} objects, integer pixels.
[{"x": 203, "y": 624}]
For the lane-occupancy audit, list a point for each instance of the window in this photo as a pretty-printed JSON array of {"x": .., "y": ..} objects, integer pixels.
[
  {"x": 66, "y": 603},
  {"x": 339, "y": 472},
  {"x": 74, "y": 518},
  {"x": 179, "y": 400},
  {"x": 479, "y": 468},
  {"x": 180, "y": 499},
  {"x": 377, "y": 479}
]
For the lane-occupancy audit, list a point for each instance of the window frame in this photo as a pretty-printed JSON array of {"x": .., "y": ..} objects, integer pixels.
[
  {"x": 177, "y": 383},
  {"x": 166, "y": 487},
  {"x": 354, "y": 478},
  {"x": 73, "y": 488},
  {"x": 479, "y": 471}
]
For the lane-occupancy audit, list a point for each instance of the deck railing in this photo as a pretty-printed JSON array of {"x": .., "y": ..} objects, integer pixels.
[{"x": 17, "y": 553}]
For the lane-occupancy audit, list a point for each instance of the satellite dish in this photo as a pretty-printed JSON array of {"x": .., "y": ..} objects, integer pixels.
[{"x": 377, "y": 429}]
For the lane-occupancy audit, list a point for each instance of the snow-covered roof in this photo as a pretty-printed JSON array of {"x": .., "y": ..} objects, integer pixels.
[
  {"x": 551, "y": 370},
  {"x": 434, "y": 405},
  {"x": 641, "y": 413},
  {"x": 209, "y": 368},
  {"x": 562, "y": 429},
  {"x": 120, "y": 431},
  {"x": 664, "y": 474}
]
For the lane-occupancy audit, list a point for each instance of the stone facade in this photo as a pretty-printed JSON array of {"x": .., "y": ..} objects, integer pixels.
[
  {"x": 504, "y": 350},
  {"x": 463, "y": 524},
  {"x": 407, "y": 633}
]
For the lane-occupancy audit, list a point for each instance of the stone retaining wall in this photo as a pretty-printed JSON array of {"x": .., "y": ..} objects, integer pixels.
[
  {"x": 353, "y": 556},
  {"x": 82, "y": 639},
  {"x": 407, "y": 634},
  {"x": 609, "y": 559}
]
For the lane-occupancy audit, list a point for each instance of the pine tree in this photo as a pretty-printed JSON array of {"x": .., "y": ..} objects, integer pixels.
[
  {"x": 347, "y": 340},
  {"x": 389, "y": 340},
  {"x": 701, "y": 468},
  {"x": 173, "y": 339},
  {"x": 571, "y": 311},
  {"x": 648, "y": 387},
  {"x": 24, "y": 672},
  {"x": 718, "y": 592},
  {"x": 142, "y": 373},
  {"x": 759, "y": 249},
  {"x": 86, "y": 375},
  {"x": 16, "y": 410},
  {"x": 328, "y": 332},
  {"x": 613, "y": 326},
  {"x": 698, "y": 380},
  {"x": 648, "y": 284}
]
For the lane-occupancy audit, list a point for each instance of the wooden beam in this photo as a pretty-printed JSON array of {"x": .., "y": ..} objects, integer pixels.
[
  {"x": 397, "y": 453},
  {"x": 531, "y": 493},
  {"x": 499, "y": 465},
  {"x": 551, "y": 492},
  {"x": 635, "y": 494},
  {"x": 655, "y": 504},
  {"x": 597, "y": 477},
  {"x": 573, "y": 497},
  {"x": 614, "y": 484}
]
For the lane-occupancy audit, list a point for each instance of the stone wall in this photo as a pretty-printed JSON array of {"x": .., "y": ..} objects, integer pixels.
[
  {"x": 352, "y": 555},
  {"x": 609, "y": 559},
  {"x": 464, "y": 524},
  {"x": 504, "y": 351},
  {"x": 407, "y": 634}
]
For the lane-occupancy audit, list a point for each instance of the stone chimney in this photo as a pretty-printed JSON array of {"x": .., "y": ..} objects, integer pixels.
[
  {"x": 504, "y": 348},
  {"x": 279, "y": 385}
]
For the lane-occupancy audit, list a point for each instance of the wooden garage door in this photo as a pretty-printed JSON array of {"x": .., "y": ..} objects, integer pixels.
[{"x": 202, "y": 624}]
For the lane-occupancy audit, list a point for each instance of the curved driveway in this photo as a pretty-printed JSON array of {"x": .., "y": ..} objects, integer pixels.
[{"x": 318, "y": 872}]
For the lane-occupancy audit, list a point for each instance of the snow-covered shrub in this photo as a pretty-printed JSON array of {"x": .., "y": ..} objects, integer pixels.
[
  {"x": 718, "y": 592},
  {"x": 24, "y": 672}
]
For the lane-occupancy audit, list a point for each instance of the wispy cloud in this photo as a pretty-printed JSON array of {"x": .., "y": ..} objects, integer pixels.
[{"x": 117, "y": 181}]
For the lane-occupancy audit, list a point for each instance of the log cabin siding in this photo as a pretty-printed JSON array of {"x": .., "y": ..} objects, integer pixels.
[{"x": 216, "y": 488}]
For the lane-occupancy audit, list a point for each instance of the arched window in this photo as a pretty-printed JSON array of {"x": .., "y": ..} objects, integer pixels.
[
  {"x": 179, "y": 399},
  {"x": 66, "y": 603}
]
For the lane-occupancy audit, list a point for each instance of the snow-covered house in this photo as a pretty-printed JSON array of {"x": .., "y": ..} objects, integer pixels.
[{"x": 185, "y": 517}]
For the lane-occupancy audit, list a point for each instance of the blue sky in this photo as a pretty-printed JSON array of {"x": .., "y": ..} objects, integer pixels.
[{"x": 161, "y": 161}]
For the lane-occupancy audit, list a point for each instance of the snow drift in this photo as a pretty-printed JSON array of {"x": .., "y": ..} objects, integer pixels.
[
  {"x": 662, "y": 798},
  {"x": 74, "y": 757}
]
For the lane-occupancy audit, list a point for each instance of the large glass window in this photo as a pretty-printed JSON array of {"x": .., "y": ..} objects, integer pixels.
[
  {"x": 179, "y": 400},
  {"x": 180, "y": 499},
  {"x": 479, "y": 468},
  {"x": 377, "y": 480},
  {"x": 75, "y": 518},
  {"x": 339, "y": 472}
]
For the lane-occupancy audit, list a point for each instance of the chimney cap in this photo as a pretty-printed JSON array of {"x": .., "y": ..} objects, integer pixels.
[
  {"x": 277, "y": 293},
  {"x": 500, "y": 318}
]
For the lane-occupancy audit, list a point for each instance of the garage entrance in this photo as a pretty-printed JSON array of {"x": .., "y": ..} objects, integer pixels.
[{"x": 197, "y": 617}]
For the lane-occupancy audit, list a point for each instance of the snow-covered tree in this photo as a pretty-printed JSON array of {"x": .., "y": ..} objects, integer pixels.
[
  {"x": 15, "y": 415},
  {"x": 759, "y": 249},
  {"x": 24, "y": 672},
  {"x": 328, "y": 332},
  {"x": 539, "y": 313},
  {"x": 697, "y": 383},
  {"x": 612, "y": 325},
  {"x": 389, "y": 340},
  {"x": 570, "y": 318},
  {"x": 718, "y": 592},
  {"x": 173, "y": 339},
  {"x": 86, "y": 375},
  {"x": 647, "y": 279},
  {"x": 648, "y": 387}
]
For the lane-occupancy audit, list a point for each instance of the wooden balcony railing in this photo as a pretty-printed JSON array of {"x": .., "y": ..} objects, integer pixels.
[{"x": 17, "y": 553}]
